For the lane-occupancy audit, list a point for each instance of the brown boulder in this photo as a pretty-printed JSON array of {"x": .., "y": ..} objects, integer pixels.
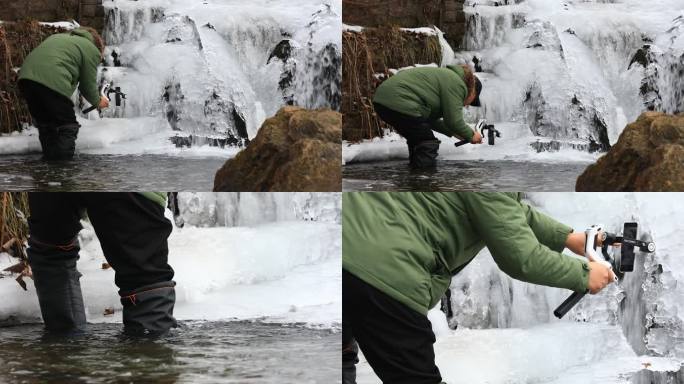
[
  {"x": 649, "y": 156},
  {"x": 296, "y": 150}
]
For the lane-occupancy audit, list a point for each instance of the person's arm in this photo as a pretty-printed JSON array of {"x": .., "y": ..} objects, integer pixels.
[
  {"x": 451, "y": 97},
  {"x": 502, "y": 223},
  {"x": 550, "y": 232},
  {"x": 88, "y": 76},
  {"x": 558, "y": 236},
  {"x": 438, "y": 125}
]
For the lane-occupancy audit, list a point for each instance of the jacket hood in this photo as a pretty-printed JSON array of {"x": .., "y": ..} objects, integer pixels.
[
  {"x": 458, "y": 69},
  {"x": 83, "y": 33}
]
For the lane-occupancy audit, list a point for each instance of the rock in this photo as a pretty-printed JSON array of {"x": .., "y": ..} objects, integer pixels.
[
  {"x": 648, "y": 156},
  {"x": 282, "y": 51},
  {"x": 296, "y": 150}
]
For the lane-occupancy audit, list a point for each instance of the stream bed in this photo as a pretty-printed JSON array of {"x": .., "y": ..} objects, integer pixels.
[
  {"x": 199, "y": 352},
  {"x": 109, "y": 173},
  {"x": 450, "y": 175}
]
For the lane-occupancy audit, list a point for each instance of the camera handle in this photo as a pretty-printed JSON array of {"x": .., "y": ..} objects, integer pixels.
[
  {"x": 480, "y": 126},
  {"x": 590, "y": 253},
  {"x": 104, "y": 91},
  {"x": 492, "y": 133}
]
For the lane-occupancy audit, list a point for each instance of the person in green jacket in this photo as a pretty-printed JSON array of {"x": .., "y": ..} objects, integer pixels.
[
  {"x": 417, "y": 101},
  {"x": 48, "y": 78},
  {"x": 133, "y": 233},
  {"x": 400, "y": 250}
]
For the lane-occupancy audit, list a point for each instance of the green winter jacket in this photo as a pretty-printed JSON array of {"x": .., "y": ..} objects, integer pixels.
[
  {"x": 409, "y": 245},
  {"x": 64, "y": 61},
  {"x": 430, "y": 93},
  {"x": 157, "y": 197}
]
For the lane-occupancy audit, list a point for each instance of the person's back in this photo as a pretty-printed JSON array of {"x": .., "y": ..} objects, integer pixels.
[
  {"x": 418, "y": 92},
  {"x": 47, "y": 80},
  {"x": 410, "y": 244},
  {"x": 417, "y": 101},
  {"x": 62, "y": 61}
]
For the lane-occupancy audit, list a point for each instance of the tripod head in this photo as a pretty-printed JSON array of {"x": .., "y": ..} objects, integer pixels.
[
  {"x": 619, "y": 262},
  {"x": 106, "y": 90},
  {"x": 482, "y": 126}
]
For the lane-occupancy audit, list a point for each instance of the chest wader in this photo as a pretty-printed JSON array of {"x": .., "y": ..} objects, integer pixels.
[
  {"x": 57, "y": 284},
  {"x": 133, "y": 234},
  {"x": 58, "y": 143},
  {"x": 423, "y": 146},
  {"x": 53, "y": 114}
]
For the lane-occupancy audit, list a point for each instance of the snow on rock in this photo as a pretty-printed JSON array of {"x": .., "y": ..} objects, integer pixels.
[
  {"x": 248, "y": 209},
  {"x": 560, "y": 353},
  {"x": 514, "y": 136}
]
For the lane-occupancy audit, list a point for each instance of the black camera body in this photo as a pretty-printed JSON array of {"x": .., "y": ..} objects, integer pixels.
[
  {"x": 623, "y": 261},
  {"x": 492, "y": 133},
  {"x": 620, "y": 262}
]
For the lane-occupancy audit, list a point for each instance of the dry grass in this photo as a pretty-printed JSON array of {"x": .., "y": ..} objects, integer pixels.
[
  {"x": 17, "y": 40},
  {"x": 14, "y": 212},
  {"x": 373, "y": 52}
]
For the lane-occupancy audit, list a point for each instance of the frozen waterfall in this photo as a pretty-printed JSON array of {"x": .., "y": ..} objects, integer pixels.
[
  {"x": 574, "y": 73},
  {"x": 215, "y": 70}
]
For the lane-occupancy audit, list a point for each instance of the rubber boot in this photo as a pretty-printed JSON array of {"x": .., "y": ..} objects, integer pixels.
[
  {"x": 59, "y": 143},
  {"x": 424, "y": 154},
  {"x": 148, "y": 310},
  {"x": 349, "y": 360},
  {"x": 57, "y": 284}
]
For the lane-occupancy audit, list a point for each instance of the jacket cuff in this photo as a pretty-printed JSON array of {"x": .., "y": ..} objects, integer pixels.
[
  {"x": 584, "y": 278},
  {"x": 558, "y": 237}
]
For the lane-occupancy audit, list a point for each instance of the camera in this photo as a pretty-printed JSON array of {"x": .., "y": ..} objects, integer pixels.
[{"x": 492, "y": 133}]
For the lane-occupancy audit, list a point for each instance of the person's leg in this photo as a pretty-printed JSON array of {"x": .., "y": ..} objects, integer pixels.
[
  {"x": 396, "y": 341},
  {"x": 54, "y": 116},
  {"x": 350, "y": 349},
  {"x": 52, "y": 254},
  {"x": 422, "y": 144},
  {"x": 133, "y": 233}
]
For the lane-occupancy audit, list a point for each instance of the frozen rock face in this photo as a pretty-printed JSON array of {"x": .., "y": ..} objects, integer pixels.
[
  {"x": 208, "y": 68},
  {"x": 646, "y": 303},
  {"x": 296, "y": 150},
  {"x": 649, "y": 156},
  {"x": 206, "y": 209},
  {"x": 662, "y": 86},
  {"x": 567, "y": 68}
]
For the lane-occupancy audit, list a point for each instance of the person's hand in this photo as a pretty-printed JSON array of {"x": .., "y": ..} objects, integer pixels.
[
  {"x": 599, "y": 277},
  {"x": 477, "y": 138},
  {"x": 104, "y": 102}
]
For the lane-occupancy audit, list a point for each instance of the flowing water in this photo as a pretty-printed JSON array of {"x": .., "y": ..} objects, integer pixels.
[
  {"x": 203, "y": 352},
  {"x": 109, "y": 173},
  {"x": 462, "y": 176}
]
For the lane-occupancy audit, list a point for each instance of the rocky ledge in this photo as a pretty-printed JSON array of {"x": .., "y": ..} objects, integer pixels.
[
  {"x": 296, "y": 150},
  {"x": 649, "y": 156}
]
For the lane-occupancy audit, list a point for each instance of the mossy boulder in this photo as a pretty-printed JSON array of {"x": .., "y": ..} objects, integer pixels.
[
  {"x": 296, "y": 150},
  {"x": 648, "y": 156}
]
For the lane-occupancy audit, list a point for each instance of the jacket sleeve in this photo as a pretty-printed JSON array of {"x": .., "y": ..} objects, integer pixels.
[
  {"x": 506, "y": 229},
  {"x": 547, "y": 230},
  {"x": 88, "y": 77},
  {"x": 452, "y": 111}
]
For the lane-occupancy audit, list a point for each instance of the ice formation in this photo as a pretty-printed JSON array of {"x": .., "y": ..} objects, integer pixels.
[
  {"x": 216, "y": 70},
  {"x": 506, "y": 332},
  {"x": 274, "y": 257},
  {"x": 565, "y": 68}
]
